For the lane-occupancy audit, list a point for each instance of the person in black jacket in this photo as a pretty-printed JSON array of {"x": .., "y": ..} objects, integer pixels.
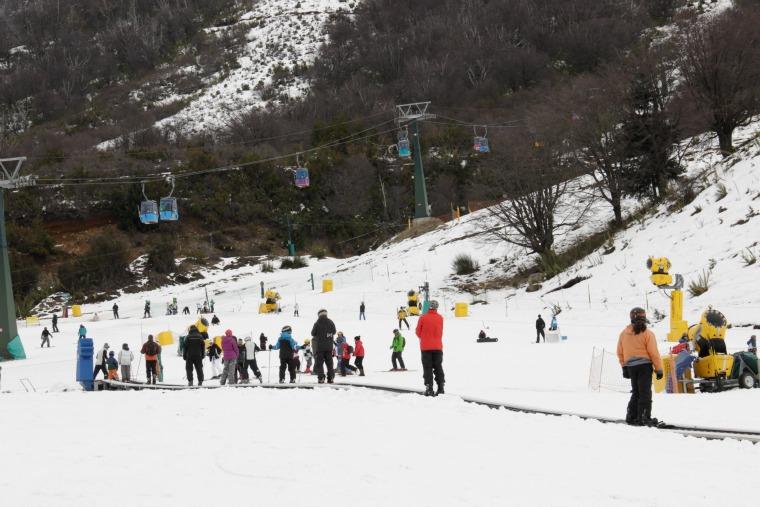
[
  {"x": 322, "y": 339},
  {"x": 55, "y": 323},
  {"x": 45, "y": 338},
  {"x": 540, "y": 326},
  {"x": 193, "y": 353}
]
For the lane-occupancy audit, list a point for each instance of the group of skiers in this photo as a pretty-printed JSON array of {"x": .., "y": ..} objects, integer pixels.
[{"x": 108, "y": 362}]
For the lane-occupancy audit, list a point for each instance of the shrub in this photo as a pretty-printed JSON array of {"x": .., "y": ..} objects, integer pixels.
[
  {"x": 701, "y": 284},
  {"x": 161, "y": 256},
  {"x": 720, "y": 192},
  {"x": 464, "y": 264},
  {"x": 748, "y": 257},
  {"x": 102, "y": 267},
  {"x": 267, "y": 267},
  {"x": 319, "y": 253},
  {"x": 294, "y": 263}
]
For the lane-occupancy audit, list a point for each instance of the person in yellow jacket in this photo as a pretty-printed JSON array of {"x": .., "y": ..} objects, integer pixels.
[
  {"x": 639, "y": 357},
  {"x": 402, "y": 317}
]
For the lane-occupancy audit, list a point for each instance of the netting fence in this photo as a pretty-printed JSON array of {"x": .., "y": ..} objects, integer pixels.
[{"x": 605, "y": 372}]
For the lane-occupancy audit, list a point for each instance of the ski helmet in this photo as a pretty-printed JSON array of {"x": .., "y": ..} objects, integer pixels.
[
  {"x": 322, "y": 312},
  {"x": 287, "y": 329}
]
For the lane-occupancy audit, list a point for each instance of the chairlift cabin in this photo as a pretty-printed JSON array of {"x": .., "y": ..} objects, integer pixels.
[
  {"x": 302, "y": 177},
  {"x": 404, "y": 149},
  {"x": 168, "y": 209},
  {"x": 480, "y": 143},
  {"x": 149, "y": 212}
]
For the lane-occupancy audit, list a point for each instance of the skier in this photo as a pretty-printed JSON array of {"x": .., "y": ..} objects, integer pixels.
[
  {"x": 113, "y": 367},
  {"x": 540, "y": 326},
  {"x": 82, "y": 331},
  {"x": 101, "y": 357},
  {"x": 193, "y": 353},
  {"x": 359, "y": 355},
  {"x": 361, "y": 312},
  {"x": 151, "y": 349},
  {"x": 553, "y": 323},
  {"x": 211, "y": 305},
  {"x": 402, "y": 317},
  {"x": 213, "y": 354},
  {"x": 55, "y": 322},
  {"x": 125, "y": 360},
  {"x": 197, "y": 308},
  {"x": 186, "y": 311},
  {"x": 45, "y": 338},
  {"x": 398, "y": 344},
  {"x": 115, "y": 309},
  {"x": 638, "y": 356},
  {"x": 322, "y": 338},
  {"x": 262, "y": 342},
  {"x": 250, "y": 358},
  {"x": 346, "y": 351},
  {"x": 340, "y": 339},
  {"x": 230, "y": 354},
  {"x": 295, "y": 310},
  {"x": 286, "y": 345},
  {"x": 146, "y": 310},
  {"x": 240, "y": 369},
  {"x": 215, "y": 321},
  {"x": 430, "y": 332},
  {"x": 308, "y": 355}
]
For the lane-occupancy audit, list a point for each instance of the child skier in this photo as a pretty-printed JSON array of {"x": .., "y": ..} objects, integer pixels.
[
  {"x": 113, "y": 366},
  {"x": 214, "y": 354},
  {"x": 101, "y": 358},
  {"x": 308, "y": 355},
  {"x": 398, "y": 344},
  {"x": 345, "y": 356},
  {"x": 242, "y": 369},
  {"x": 286, "y": 345},
  {"x": 250, "y": 358}
]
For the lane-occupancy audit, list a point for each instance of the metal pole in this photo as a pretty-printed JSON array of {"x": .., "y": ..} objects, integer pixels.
[
  {"x": 420, "y": 189},
  {"x": 8, "y": 330},
  {"x": 291, "y": 245}
]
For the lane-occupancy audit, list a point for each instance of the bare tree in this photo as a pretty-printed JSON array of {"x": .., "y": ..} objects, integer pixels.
[{"x": 720, "y": 63}]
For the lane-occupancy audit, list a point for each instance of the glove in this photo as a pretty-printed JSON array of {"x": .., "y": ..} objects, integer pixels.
[
  {"x": 270, "y": 347},
  {"x": 659, "y": 374},
  {"x": 626, "y": 373}
]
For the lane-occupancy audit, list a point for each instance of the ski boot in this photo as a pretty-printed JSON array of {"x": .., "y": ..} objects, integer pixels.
[
  {"x": 190, "y": 383},
  {"x": 440, "y": 389},
  {"x": 321, "y": 381},
  {"x": 292, "y": 381},
  {"x": 282, "y": 381},
  {"x": 330, "y": 381},
  {"x": 429, "y": 390},
  {"x": 261, "y": 380}
]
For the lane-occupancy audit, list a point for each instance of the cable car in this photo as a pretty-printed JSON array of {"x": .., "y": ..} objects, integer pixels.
[
  {"x": 302, "y": 177},
  {"x": 148, "y": 212},
  {"x": 168, "y": 209},
  {"x": 480, "y": 143},
  {"x": 404, "y": 150}
]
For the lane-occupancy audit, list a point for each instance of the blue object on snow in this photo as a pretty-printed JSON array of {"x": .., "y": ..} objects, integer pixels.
[
  {"x": 564, "y": 337},
  {"x": 85, "y": 354}
]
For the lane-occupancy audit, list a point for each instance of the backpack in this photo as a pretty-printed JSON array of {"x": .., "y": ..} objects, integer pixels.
[
  {"x": 350, "y": 349},
  {"x": 151, "y": 349}
]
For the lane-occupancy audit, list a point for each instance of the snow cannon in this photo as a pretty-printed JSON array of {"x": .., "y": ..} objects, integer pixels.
[
  {"x": 661, "y": 277},
  {"x": 709, "y": 339},
  {"x": 270, "y": 304},
  {"x": 412, "y": 301}
]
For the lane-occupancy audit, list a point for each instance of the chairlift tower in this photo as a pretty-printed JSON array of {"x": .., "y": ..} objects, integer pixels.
[
  {"x": 10, "y": 179},
  {"x": 411, "y": 114}
]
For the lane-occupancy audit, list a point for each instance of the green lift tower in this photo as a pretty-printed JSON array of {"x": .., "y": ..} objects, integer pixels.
[{"x": 412, "y": 114}]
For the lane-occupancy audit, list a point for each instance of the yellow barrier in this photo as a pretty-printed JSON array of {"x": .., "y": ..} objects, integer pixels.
[
  {"x": 165, "y": 338},
  {"x": 327, "y": 285},
  {"x": 32, "y": 321},
  {"x": 76, "y": 310},
  {"x": 461, "y": 310}
]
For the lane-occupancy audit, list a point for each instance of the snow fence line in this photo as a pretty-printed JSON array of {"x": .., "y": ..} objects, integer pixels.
[{"x": 692, "y": 431}]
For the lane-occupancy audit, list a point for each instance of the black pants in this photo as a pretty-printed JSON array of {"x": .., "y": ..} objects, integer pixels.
[
  {"x": 251, "y": 363},
  {"x": 396, "y": 357},
  {"x": 100, "y": 367},
  {"x": 432, "y": 362},
  {"x": 359, "y": 363},
  {"x": 320, "y": 360},
  {"x": 151, "y": 368},
  {"x": 45, "y": 339},
  {"x": 362, "y": 316},
  {"x": 640, "y": 405},
  {"x": 55, "y": 328},
  {"x": 197, "y": 363},
  {"x": 146, "y": 314},
  {"x": 115, "y": 314},
  {"x": 345, "y": 365},
  {"x": 290, "y": 365},
  {"x": 404, "y": 321},
  {"x": 540, "y": 334}
]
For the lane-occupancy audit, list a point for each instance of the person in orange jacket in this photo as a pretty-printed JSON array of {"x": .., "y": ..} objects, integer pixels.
[
  {"x": 639, "y": 357},
  {"x": 430, "y": 332}
]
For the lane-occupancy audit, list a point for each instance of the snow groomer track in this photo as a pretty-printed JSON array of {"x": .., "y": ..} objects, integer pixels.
[{"x": 691, "y": 431}]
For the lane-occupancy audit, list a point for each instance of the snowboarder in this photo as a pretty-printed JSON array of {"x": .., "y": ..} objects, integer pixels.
[
  {"x": 553, "y": 323},
  {"x": 430, "y": 332},
  {"x": 402, "y": 317},
  {"x": 82, "y": 331},
  {"x": 101, "y": 357},
  {"x": 752, "y": 344},
  {"x": 230, "y": 353},
  {"x": 186, "y": 311},
  {"x": 113, "y": 366},
  {"x": 286, "y": 345},
  {"x": 45, "y": 338},
  {"x": 215, "y": 321},
  {"x": 540, "y": 326},
  {"x": 250, "y": 358},
  {"x": 397, "y": 346},
  {"x": 151, "y": 349},
  {"x": 115, "y": 309},
  {"x": 638, "y": 356},
  {"x": 308, "y": 355},
  {"x": 483, "y": 338},
  {"x": 295, "y": 310},
  {"x": 125, "y": 361},
  {"x": 146, "y": 310},
  {"x": 193, "y": 353},
  {"x": 322, "y": 338},
  {"x": 240, "y": 369},
  {"x": 213, "y": 355},
  {"x": 359, "y": 355},
  {"x": 361, "y": 311},
  {"x": 55, "y": 323}
]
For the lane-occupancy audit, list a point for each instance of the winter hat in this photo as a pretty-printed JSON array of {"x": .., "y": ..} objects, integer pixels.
[
  {"x": 106, "y": 346},
  {"x": 357, "y": 337},
  {"x": 322, "y": 312},
  {"x": 286, "y": 329},
  {"x": 228, "y": 332},
  {"x": 125, "y": 347},
  {"x": 433, "y": 304},
  {"x": 395, "y": 330},
  {"x": 193, "y": 328},
  {"x": 111, "y": 354},
  {"x": 247, "y": 338},
  {"x": 306, "y": 341}
]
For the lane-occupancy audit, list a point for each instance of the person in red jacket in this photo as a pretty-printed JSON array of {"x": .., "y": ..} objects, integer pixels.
[
  {"x": 430, "y": 332},
  {"x": 359, "y": 355}
]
